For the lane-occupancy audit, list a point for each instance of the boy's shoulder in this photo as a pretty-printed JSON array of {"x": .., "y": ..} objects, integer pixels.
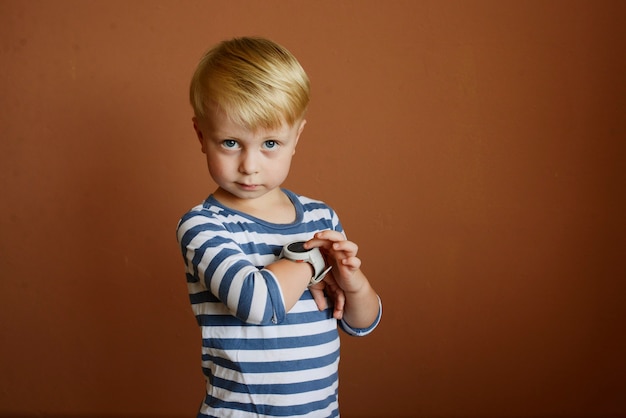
[{"x": 209, "y": 209}]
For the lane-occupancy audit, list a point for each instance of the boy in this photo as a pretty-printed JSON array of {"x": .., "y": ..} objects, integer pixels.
[{"x": 270, "y": 345}]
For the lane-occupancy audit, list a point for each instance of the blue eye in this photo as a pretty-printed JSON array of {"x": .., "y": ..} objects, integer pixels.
[
  {"x": 270, "y": 144},
  {"x": 229, "y": 143}
]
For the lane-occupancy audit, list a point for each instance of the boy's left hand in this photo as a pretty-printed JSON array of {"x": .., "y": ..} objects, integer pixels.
[
  {"x": 341, "y": 255},
  {"x": 359, "y": 303},
  {"x": 328, "y": 287}
]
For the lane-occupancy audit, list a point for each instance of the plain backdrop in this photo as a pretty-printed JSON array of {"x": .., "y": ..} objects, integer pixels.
[{"x": 475, "y": 150}]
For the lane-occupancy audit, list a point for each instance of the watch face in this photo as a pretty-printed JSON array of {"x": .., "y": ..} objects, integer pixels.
[{"x": 297, "y": 247}]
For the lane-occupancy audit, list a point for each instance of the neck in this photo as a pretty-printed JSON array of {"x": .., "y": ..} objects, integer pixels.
[{"x": 274, "y": 207}]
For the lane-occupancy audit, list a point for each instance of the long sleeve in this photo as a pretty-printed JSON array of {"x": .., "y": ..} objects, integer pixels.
[{"x": 216, "y": 263}]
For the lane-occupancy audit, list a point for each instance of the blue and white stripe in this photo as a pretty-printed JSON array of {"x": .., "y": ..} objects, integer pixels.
[{"x": 259, "y": 361}]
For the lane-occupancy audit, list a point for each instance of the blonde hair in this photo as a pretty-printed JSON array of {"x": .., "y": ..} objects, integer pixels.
[{"x": 257, "y": 82}]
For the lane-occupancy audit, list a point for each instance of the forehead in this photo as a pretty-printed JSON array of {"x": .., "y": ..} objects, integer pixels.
[{"x": 221, "y": 124}]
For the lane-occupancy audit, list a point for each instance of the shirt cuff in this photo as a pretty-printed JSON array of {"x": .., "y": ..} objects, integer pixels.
[{"x": 361, "y": 332}]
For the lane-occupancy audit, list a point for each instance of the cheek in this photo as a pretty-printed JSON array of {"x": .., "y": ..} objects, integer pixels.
[
  {"x": 282, "y": 167},
  {"x": 217, "y": 167}
]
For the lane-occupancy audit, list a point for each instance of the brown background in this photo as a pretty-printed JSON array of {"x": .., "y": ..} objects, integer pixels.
[{"x": 475, "y": 150}]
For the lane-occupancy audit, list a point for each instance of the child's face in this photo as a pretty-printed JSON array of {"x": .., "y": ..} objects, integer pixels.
[{"x": 246, "y": 164}]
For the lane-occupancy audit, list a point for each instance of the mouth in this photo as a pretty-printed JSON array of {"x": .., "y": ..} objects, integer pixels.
[{"x": 248, "y": 187}]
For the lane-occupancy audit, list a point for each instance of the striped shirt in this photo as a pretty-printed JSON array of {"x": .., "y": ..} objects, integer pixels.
[{"x": 258, "y": 359}]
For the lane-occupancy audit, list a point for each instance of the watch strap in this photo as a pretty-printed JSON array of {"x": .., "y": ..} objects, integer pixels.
[{"x": 295, "y": 251}]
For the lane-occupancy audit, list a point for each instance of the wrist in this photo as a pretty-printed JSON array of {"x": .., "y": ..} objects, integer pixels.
[
  {"x": 296, "y": 252},
  {"x": 357, "y": 286}
]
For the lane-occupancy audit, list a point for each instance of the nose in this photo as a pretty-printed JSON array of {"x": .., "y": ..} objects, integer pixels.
[{"x": 248, "y": 163}]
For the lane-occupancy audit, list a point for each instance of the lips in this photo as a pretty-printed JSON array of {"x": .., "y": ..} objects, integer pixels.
[{"x": 248, "y": 186}]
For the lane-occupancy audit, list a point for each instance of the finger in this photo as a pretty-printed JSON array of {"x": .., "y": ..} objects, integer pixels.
[
  {"x": 351, "y": 262},
  {"x": 340, "y": 300},
  {"x": 348, "y": 247},
  {"x": 325, "y": 239},
  {"x": 319, "y": 243},
  {"x": 318, "y": 297},
  {"x": 330, "y": 235}
]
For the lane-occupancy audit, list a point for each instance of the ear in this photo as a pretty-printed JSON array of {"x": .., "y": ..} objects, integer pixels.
[
  {"x": 196, "y": 127},
  {"x": 300, "y": 129}
]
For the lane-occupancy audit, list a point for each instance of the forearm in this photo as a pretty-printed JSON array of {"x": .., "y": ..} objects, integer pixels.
[
  {"x": 362, "y": 305},
  {"x": 293, "y": 279}
]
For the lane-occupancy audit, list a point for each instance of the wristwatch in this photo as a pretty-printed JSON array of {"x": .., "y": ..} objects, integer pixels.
[{"x": 295, "y": 251}]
